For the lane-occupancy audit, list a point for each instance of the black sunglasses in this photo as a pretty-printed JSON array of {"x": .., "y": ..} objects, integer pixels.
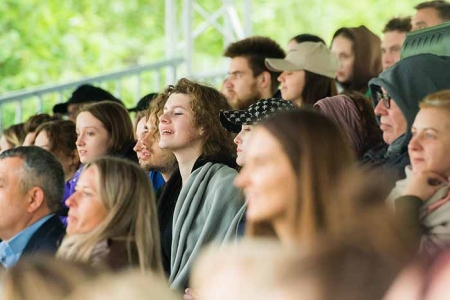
[{"x": 385, "y": 98}]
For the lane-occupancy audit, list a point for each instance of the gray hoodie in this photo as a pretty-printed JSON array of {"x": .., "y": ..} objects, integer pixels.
[{"x": 407, "y": 82}]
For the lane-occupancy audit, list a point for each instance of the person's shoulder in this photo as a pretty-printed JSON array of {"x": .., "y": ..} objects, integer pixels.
[
  {"x": 47, "y": 236},
  {"x": 375, "y": 153},
  {"x": 51, "y": 228},
  {"x": 225, "y": 169},
  {"x": 223, "y": 173}
]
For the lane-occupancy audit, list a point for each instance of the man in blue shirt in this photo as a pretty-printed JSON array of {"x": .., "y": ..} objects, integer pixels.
[{"x": 31, "y": 189}]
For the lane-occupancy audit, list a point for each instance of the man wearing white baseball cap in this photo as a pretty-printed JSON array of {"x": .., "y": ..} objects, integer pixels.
[{"x": 308, "y": 73}]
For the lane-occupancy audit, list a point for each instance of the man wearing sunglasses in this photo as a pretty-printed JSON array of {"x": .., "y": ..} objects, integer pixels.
[{"x": 396, "y": 94}]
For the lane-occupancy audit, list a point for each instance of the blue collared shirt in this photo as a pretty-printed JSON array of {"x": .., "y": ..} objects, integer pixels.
[
  {"x": 11, "y": 250},
  {"x": 156, "y": 179}
]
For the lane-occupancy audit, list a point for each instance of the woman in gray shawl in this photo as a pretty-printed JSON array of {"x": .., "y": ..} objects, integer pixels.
[{"x": 199, "y": 202}]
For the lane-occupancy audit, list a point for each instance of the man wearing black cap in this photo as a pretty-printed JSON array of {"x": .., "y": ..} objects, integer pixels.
[{"x": 84, "y": 94}]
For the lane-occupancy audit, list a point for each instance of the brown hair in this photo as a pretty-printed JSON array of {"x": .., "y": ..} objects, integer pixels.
[
  {"x": 442, "y": 8},
  {"x": 345, "y": 32},
  {"x": 366, "y": 47},
  {"x": 15, "y": 134},
  {"x": 398, "y": 24},
  {"x": 62, "y": 136},
  {"x": 317, "y": 87},
  {"x": 137, "y": 117},
  {"x": 117, "y": 123},
  {"x": 319, "y": 154},
  {"x": 34, "y": 121},
  {"x": 256, "y": 49},
  {"x": 206, "y": 103}
]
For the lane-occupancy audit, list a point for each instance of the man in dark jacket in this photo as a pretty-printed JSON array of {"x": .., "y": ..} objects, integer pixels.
[
  {"x": 396, "y": 94},
  {"x": 31, "y": 189}
]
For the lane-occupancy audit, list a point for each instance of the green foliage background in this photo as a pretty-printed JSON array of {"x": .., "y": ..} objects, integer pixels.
[{"x": 62, "y": 40}]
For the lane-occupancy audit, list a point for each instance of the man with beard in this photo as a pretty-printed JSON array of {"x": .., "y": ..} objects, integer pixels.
[{"x": 248, "y": 77}]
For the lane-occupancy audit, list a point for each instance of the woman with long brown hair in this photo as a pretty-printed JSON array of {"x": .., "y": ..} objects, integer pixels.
[{"x": 293, "y": 163}]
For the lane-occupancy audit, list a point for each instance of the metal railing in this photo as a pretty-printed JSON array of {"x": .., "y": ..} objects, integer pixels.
[{"x": 41, "y": 99}]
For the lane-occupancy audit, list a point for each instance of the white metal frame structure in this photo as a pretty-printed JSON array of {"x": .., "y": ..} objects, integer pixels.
[
  {"x": 180, "y": 41},
  {"x": 181, "y": 36}
]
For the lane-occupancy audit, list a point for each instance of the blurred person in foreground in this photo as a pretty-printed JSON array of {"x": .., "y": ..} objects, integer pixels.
[
  {"x": 125, "y": 285},
  {"x": 290, "y": 174},
  {"x": 44, "y": 277}
]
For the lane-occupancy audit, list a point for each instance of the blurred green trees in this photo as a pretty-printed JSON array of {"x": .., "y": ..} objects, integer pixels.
[
  {"x": 62, "y": 40},
  {"x": 54, "y": 40}
]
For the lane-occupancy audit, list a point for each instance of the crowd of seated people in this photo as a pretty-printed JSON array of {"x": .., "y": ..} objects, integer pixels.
[{"x": 316, "y": 172}]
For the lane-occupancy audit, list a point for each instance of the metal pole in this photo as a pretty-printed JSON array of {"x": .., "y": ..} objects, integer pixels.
[
  {"x": 248, "y": 26},
  {"x": 171, "y": 35},
  {"x": 188, "y": 38}
]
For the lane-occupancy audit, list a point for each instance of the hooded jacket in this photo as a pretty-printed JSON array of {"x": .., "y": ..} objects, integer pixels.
[
  {"x": 407, "y": 83},
  {"x": 367, "y": 64}
]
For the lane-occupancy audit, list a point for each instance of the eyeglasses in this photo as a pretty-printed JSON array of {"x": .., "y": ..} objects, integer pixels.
[{"x": 385, "y": 98}]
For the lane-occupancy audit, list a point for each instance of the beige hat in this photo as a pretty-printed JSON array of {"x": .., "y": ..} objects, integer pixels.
[{"x": 309, "y": 56}]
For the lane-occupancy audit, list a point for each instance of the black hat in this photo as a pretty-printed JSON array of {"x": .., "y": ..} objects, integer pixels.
[
  {"x": 84, "y": 94},
  {"x": 232, "y": 120},
  {"x": 144, "y": 103}
]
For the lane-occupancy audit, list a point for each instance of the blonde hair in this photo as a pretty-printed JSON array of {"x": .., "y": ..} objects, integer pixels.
[
  {"x": 439, "y": 99},
  {"x": 15, "y": 134},
  {"x": 126, "y": 285},
  {"x": 43, "y": 277},
  {"x": 128, "y": 196}
]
